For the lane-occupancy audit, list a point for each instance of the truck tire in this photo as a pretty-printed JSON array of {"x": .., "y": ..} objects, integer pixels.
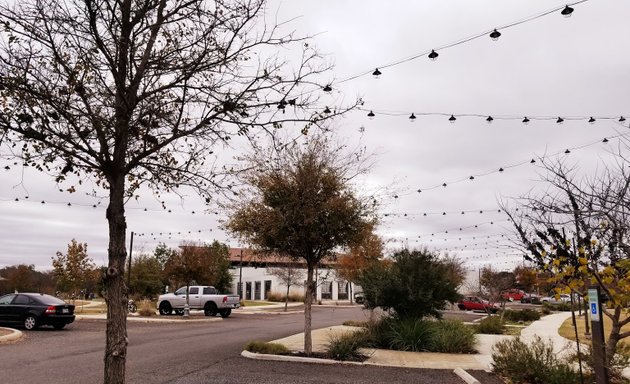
[
  {"x": 179, "y": 312},
  {"x": 210, "y": 309},
  {"x": 225, "y": 313},
  {"x": 165, "y": 308}
]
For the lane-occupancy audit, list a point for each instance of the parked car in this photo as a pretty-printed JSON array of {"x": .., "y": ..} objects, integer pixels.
[
  {"x": 31, "y": 310},
  {"x": 474, "y": 303},
  {"x": 513, "y": 294},
  {"x": 563, "y": 298},
  {"x": 531, "y": 298},
  {"x": 199, "y": 297},
  {"x": 358, "y": 298}
]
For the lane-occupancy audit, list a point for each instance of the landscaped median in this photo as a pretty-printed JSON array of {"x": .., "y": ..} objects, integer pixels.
[{"x": 8, "y": 335}]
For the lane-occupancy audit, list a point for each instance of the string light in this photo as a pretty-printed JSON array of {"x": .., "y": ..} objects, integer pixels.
[
  {"x": 433, "y": 54},
  {"x": 495, "y": 35},
  {"x": 492, "y": 117},
  {"x": 567, "y": 11},
  {"x": 376, "y": 73},
  {"x": 412, "y": 118}
]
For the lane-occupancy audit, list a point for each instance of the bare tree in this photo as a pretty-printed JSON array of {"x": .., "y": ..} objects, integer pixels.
[
  {"x": 578, "y": 231},
  {"x": 289, "y": 274},
  {"x": 130, "y": 93}
]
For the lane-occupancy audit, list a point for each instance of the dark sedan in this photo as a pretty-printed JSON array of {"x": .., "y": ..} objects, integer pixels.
[{"x": 34, "y": 309}]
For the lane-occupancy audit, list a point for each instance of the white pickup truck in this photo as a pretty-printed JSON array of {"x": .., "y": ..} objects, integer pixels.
[{"x": 199, "y": 297}]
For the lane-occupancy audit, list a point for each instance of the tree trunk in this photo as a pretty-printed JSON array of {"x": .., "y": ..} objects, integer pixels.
[
  {"x": 613, "y": 336},
  {"x": 308, "y": 302},
  {"x": 286, "y": 299},
  {"x": 115, "y": 290}
]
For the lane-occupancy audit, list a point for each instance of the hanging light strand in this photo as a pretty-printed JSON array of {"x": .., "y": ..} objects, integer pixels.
[{"x": 433, "y": 53}]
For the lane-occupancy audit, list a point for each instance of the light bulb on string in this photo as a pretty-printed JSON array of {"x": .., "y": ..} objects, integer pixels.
[
  {"x": 489, "y": 119},
  {"x": 567, "y": 11},
  {"x": 605, "y": 140},
  {"x": 622, "y": 119},
  {"x": 376, "y": 73},
  {"x": 433, "y": 55},
  {"x": 371, "y": 115},
  {"x": 452, "y": 119},
  {"x": 327, "y": 88},
  {"x": 412, "y": 118},
  {"x": 494, "y": 35},
  {"x": 525, "y": 120},
  {"x": 560, "y": 120},
  {"x": 591, "y": 120}
]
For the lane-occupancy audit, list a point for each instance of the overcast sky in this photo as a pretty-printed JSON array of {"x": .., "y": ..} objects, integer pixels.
[{"x": 551, "y": 66}]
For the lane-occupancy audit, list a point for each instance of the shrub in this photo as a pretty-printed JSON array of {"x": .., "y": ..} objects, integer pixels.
[
  {"x": 296, "y": 297},
  {"x": 524, "y": 315},
  {"x": 346, "y": 346},
  {"x": 267, "y": 348},
  {"x": 446, "y": 336},
  {"x": 146, "y": 308},
  {"x": 415, "y": 284},
  {"x": 274, "y": 296},
  {"x": 561, "y": 307},
  {"x": 534, "y": 363},
  {"x": 492, "y": 325},
  {"x": 280, "y": 298},
  {"x": 452, "y": 336},
  {"x": 545, "y": 310},
  {"x": 354, "y": 323}
]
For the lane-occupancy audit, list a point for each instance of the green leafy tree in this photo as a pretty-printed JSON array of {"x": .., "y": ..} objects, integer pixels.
[
  {"x": 201, "y": 263},
  {"x": 132, "y": 93},
  {"x": 75, "y": 269},
  {"x": 24, "y": 278},
  {"x": 299, "y": 203},
  {"x": 414, "y": 284},
  {"x": 146, "y": 276}
]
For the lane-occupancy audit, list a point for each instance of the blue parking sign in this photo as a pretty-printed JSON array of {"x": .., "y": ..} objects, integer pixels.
[{"x": 594, "y": 308}]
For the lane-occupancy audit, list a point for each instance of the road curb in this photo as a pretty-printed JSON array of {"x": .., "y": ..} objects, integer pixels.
[
  {"x": 467, "y": 377},
  {"x": 298, "y": 359},
  {"x": 14, "y": 335},
  {"x": 154, "y": 320}
]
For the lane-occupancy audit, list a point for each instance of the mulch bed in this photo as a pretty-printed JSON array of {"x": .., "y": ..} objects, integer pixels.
[{"x": 322, "y": 355}]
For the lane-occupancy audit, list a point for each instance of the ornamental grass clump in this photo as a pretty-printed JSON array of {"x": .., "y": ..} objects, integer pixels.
[{"x": 345, "y": 346}]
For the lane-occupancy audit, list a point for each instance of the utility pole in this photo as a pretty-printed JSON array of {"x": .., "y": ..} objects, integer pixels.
[
  {"x": 240, "y": 277},
  {"x": 129, "y": 268}
]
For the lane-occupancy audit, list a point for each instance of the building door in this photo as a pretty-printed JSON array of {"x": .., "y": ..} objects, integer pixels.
[
  {"x": 248, "y": 290},
  {"x": 267, "y": 288},
  {"x": 257, "y": 290}
]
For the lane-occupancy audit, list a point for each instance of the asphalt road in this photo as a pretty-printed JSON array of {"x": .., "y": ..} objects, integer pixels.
[{"x": 184, "y": 353}]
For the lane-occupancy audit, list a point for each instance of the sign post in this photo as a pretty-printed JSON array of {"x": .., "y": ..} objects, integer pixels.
[{"x": 597, "y": 329}]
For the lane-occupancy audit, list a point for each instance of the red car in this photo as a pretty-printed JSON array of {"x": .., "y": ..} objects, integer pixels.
[
  {"x": 474, "y": 303},
  {"x": 513, "y": 294}
]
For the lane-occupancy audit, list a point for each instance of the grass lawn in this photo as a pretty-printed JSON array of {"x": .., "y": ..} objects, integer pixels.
[
  {"x": 257, "y": 303},
  {"x": 566, "y": 330}
]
